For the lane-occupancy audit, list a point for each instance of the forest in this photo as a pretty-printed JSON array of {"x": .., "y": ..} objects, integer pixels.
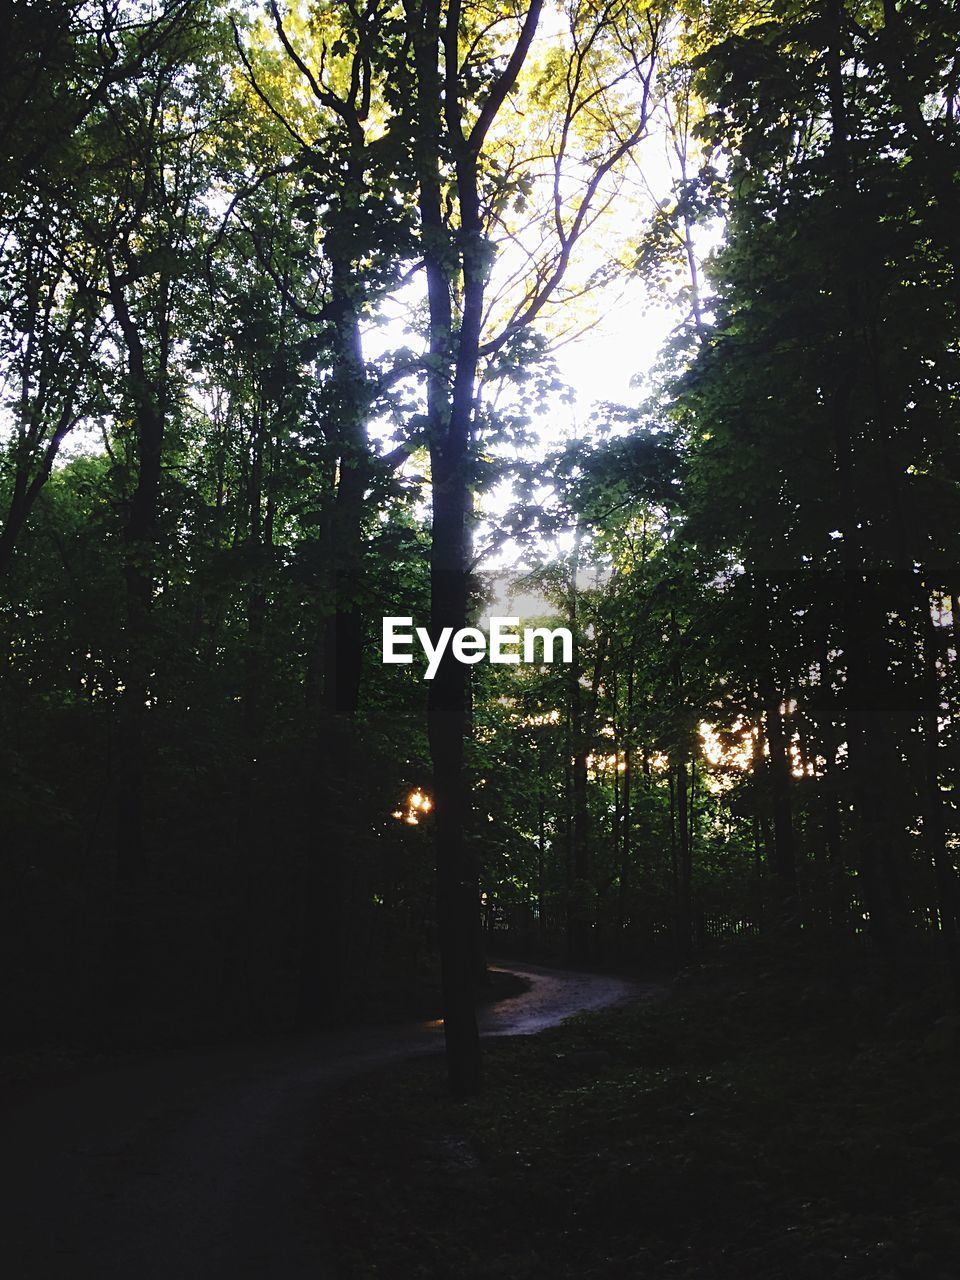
[{"x": 634, "y": 317}]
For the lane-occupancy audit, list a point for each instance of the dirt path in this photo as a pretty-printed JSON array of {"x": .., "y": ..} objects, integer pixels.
[{"x": 190, "y": 1166}]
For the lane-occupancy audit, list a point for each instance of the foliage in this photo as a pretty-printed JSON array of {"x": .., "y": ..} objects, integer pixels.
[{"x": 275, "y": 279}]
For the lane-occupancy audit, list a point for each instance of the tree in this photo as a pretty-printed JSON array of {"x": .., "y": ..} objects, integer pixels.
[
  {"x": 818, "y": 356},
  {"x": 64, "y": 70},
  {"x": 462, "y": 185}
]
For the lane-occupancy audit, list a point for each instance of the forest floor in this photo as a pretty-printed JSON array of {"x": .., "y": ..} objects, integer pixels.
[
  {"x": 201, "y": 1164},
  {"x": 765, "y": 1122},
  {"x": 754, "y": 1120}
]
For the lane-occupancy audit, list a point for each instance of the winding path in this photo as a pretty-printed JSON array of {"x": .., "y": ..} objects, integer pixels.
[{"x": 190, "y": 1166}]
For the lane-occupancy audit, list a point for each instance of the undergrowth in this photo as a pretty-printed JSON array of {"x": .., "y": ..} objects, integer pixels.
[{"x": 758, "y": 1122}]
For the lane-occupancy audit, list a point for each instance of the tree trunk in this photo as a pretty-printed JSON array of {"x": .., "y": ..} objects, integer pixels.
[
  {"x": 343, "y": 642},
  {"x": 873, "y": 763},
  {"x": 578, "y": 940},
  {"x": 148, "y": 398},
  {"x": 26, "y": 491},
  {"x": 457, "y": 881},
  {"x": 684, "y": 867},
  {"x": 786, "y": 906},
  {"x": 449, "y": 415}
]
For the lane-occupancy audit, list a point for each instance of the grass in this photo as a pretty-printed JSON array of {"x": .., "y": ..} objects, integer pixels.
[{"x": 752, "y": 1125}]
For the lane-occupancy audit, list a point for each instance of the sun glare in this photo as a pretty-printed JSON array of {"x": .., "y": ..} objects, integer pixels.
[{"x": 418, "y": 806}]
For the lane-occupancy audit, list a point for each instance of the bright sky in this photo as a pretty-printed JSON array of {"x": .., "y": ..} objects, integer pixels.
[
  {"x": 611, "y": 358},
  {"x": 606, "y": 362}
]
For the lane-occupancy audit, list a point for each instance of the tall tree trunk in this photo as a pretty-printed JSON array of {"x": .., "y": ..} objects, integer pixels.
[
  {"x": 457, "y": 881},
  {"x": 541, "y": 845},
  {"x": 343, "y": 642},
  {"x": 684, "y": 879},
  {"x": 786, "y": 906},
  {"x": 578, "y": 940},
  {"x": 140, "y": 534},
  {"x": 626, "y": 835},
  {"x": 449, "y": 417},
  {"x": 680, "y": 754},
  {"x": 451, "y": 393}
]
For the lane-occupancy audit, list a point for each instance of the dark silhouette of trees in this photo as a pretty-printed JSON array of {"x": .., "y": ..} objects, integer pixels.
[{"x": 281, "y": 290}]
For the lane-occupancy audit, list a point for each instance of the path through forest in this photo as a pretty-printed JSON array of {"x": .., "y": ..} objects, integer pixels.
[{"x": 192, "y": 1166}]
